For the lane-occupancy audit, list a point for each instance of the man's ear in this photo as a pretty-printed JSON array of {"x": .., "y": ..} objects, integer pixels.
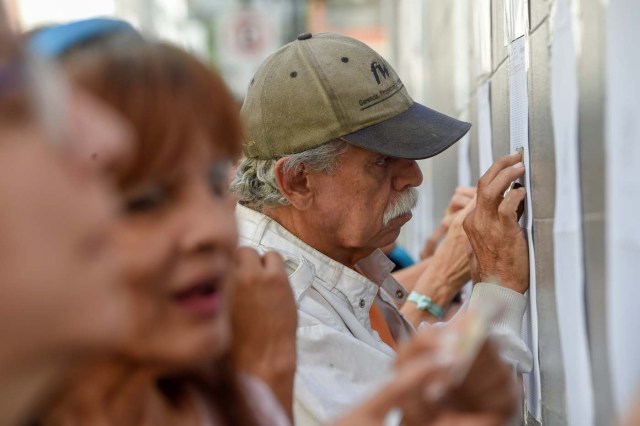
[{"x": 294, "y": 185}]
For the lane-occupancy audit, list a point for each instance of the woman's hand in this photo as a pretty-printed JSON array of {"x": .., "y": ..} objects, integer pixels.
[{"x": 263, "y": 321}]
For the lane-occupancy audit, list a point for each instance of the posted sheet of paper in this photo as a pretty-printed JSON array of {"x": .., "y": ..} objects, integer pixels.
[
  {"x": 519, "y": 138},
  {"x": 485, "y": 140},
  {"x": 482, "y": 28},
  {"x": 567, "y": 229},
  {"x": 623, "y": 198},
  {"x": 465, "y": 179},
  {"x": 464, "y": 165},
  {"x": 516, "y": 19},
  {"x": 518, "y": 96}
]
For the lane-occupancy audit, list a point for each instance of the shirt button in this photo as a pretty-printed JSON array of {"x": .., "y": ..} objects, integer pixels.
[
  {"x": 362, "y": 303},
  {"x": 399, "y": 294}
]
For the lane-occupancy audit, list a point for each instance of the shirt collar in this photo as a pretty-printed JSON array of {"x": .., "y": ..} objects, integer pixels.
[
  {"x": 358, "y": 288},
  {"x": 377, "y": 266}
]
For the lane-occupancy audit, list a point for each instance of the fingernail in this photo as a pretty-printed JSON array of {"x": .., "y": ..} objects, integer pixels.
[{"x": 518, "y": 165}]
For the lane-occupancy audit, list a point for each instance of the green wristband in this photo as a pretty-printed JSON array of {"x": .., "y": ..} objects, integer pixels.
[{"x": 424, "y": 303}]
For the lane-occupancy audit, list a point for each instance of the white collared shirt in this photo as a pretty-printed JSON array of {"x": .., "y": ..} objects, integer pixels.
[{"x": 341, "y": 360}]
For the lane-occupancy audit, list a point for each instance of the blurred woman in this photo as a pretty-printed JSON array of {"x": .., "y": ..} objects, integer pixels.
[
  {"x": 62, "y": 299},
  {"x": 178, "y": 239}
]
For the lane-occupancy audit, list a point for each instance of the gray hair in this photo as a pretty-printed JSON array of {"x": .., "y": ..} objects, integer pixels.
[{"x": 255, "y": 181}]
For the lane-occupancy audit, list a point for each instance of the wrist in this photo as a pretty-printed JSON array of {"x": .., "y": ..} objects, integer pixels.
[
  {"x": 435, "y": 284},
  {"x": 425, "y": 304},
  {"x": 507, "y": 281},
  {"x": 421, "y": 307},
  {"x": 276, "y": 369},
  {"x": 272, "y": 363},
  {"x": 281, "y": 363}
]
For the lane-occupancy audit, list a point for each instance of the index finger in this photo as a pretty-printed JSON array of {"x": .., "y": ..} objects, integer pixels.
[
  {"x": 248, "y": 258},
  {"x": 501, "y": 164},
  {"x": 272, "y": 260}
]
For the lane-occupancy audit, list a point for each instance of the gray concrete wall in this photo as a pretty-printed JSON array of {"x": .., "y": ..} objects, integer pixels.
[{"x": 440, "y": 91}]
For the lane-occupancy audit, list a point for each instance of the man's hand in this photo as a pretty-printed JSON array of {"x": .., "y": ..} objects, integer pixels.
[
  {"x": 264, "y": 320},
  {"x": 473, "y": 265},
  {"x": 461, "y": 198},
  {"x": 498, "y": 242}
]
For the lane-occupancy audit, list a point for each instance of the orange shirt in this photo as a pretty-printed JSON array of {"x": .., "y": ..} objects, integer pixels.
[{"x": 380, "y": 325}]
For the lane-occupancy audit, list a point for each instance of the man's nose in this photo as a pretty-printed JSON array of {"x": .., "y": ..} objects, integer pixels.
[{"x": 407, "y": 174}]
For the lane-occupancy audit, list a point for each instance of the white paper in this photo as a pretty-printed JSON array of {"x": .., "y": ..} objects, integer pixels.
[
  {"x": 567, "y": 229},
  {"x": 462, "y": 45},
  {"x": 516, "y": 19},
  {"x": 519, "y": 138},
  {"x": 623, "y": 199},
  {"x": 464, "y": 166},
  {"x": 518, "y": 96},
  {"x": 464, "y": 179},
  {"x": 482, "y": 27},
  {"x": 485, "y": 149}
]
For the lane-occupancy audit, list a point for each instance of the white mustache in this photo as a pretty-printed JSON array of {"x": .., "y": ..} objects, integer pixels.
[{"x": 406, "y": 202}]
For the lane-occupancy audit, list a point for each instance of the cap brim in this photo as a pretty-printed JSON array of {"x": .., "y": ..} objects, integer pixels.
[{"x": 416, "y": 133}]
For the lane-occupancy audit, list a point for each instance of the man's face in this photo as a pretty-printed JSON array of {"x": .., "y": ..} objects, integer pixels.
[{"x": 349, "y": 204}]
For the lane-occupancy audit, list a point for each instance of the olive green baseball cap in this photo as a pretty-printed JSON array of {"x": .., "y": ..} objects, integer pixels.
[{"x": 327, "y": 86}]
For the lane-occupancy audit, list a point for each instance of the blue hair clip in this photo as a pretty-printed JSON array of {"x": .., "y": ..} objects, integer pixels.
[{"x": 53, "y": 41}]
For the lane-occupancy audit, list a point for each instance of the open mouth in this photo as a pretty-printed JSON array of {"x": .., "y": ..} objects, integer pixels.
[{"x": 203, "y": 298}]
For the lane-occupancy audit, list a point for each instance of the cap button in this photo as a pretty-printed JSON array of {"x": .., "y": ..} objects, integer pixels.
[{"x": 304, "y": 36}]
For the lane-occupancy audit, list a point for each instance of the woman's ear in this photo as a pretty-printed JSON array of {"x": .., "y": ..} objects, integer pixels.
[{"x": 294, "y": 185}]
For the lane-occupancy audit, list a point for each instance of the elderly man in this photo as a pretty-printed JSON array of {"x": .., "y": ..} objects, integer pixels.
[{"x": 328, "y": 178}]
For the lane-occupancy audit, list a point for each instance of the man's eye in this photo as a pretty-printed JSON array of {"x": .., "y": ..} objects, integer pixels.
[
  {"x": 382, "y": 161},
  {"x": 151, "y": 199}
]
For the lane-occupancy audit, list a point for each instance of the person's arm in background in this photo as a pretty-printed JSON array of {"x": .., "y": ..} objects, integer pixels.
[
  {"x": 447, "y": 272},
  {"x": 264, "y": 320},
  {"x": 461, "y": 198},
  {"x": 408, "y": 277}
]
